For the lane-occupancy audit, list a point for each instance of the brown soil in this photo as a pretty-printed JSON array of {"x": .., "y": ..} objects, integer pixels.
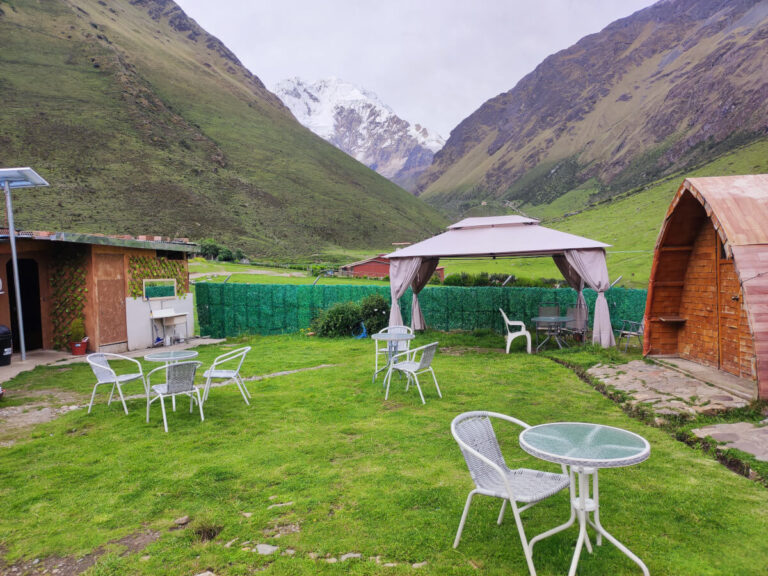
[
  {"x": 71, "y": 566},
  {"x": 47, "y": 405}
]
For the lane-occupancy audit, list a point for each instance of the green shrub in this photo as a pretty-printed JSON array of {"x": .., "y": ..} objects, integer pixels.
[
  {"x": 456, "y": 279},
  {"x": 225, "y": 255},
  {"x": 375, "y": 311},
  {"x": 497, "y": 279},
  {"x": 481, "y": 279},
  {"x": 340, "y": 320}
]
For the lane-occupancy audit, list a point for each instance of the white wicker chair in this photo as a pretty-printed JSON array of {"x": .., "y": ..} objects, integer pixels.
[
  {"x": 511, "y": 335},
  {"x": 227, "y": 368},
  {"x": 412, "y": 363},
  {"x": 382, "y": 347},
  {"x": 105, "y": 374},
  {"x": 179, "y": 380},
  {"x": 474, "y": 433}
]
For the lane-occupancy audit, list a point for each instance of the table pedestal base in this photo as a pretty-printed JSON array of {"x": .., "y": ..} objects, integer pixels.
[{"x": 582, "y": 506}]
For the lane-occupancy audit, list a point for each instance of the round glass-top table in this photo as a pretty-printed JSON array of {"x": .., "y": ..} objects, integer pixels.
[
  {"x": 585, "y": 448},
  {"x": 552, "y": 324},
  {"x": 171, "y": 356},
  {"x": 583, "y": 444},
  {"x": 393, "y": 340}
]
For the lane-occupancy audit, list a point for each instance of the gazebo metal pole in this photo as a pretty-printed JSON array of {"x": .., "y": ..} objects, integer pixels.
[{"x": 16, "y": 287}]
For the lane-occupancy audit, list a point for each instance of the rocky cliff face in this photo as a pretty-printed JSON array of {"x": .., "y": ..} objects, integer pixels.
[
  {"x": 356, "y": 121},
  {"x": 649, "y": 94}
]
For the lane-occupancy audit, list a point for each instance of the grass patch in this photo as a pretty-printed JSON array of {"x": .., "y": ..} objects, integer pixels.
[{"x": 362, "y": 475}]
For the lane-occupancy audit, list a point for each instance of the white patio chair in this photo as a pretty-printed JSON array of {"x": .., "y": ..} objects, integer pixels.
[
  {"x": 382, "y": 347},
  {"x": 179, "y": 380},
  {"x": 474, "y": 433},
  {"x": 227, "y": 368},
  {"x": 628, "y": 330},
  {"x": 412, "y": 363},
  {"x": 106, "y": 374},
  {"x": 511, "y": 335}
]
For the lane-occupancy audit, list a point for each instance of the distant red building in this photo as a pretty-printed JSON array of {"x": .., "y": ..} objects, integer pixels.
[{"x": 376, "y": 267}]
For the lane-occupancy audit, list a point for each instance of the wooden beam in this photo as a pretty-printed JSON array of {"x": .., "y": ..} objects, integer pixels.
[{"x": 669, "y": 283}]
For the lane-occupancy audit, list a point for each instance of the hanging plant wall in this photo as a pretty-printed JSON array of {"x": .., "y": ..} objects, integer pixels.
[
  {"x": 143, "y": 268},
  {"x": 68, "y": 292}
]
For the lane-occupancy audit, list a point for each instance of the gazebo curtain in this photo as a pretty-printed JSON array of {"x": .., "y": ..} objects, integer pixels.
[
  {"x": 589, "y": 266},
  {"x": 405, "y": 272},
  {"x": 402, "y": 272},
  {"x": 576, "y": 282},
  {"x": 424, "y": 273}
]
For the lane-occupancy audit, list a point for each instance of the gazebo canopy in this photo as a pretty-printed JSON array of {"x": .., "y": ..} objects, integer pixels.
[
  {"x": 581, "y": 260},
  {"x": 497, "y": 236}
]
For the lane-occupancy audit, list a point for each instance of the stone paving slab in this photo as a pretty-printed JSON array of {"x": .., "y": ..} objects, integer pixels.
[
  {"x": 743, "y": 436},
  {"x": 665, "y": 391}
]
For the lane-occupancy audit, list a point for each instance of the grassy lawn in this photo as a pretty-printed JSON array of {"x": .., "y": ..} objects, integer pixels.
[
  {"x": 356, "y": 474},
  {"x": 252, "y": 274}
]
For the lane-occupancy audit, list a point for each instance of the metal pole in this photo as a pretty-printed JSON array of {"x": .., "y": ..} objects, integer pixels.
[{"x": 16, "y": 286}]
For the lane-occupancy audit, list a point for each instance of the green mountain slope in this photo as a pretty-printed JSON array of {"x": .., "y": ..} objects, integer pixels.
[
  {"x": 629, "y": 222},
  {"x": 668, "y": 87},
  {"x": 144, "y": 123}
]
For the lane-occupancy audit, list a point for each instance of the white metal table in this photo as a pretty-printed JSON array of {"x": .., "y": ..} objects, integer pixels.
[
  {"x": 393, "y": 340},
  {"x": 585, "y": 448},
  {"x": 553, "y": 325}
]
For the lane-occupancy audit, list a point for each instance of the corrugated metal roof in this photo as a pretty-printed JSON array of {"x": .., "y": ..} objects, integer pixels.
[
  {"x": 143, "y": 242},
  {"x": 739, "y": 203}
]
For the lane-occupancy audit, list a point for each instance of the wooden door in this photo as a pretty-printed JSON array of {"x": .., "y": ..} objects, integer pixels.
[
  {"x": 110, "y": 299},
  {"x": 729, "y": 314}
]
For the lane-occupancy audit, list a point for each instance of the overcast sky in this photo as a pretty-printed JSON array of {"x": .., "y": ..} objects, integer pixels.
[{"x": 432, "y": 61}]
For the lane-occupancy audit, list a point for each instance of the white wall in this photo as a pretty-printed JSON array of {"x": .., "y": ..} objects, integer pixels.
[{"x": 137, "y": 312}]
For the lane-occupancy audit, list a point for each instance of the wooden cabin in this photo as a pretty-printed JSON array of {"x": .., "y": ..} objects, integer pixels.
[
  {"x": 100, "y": 279},
  {"x": 708, "y": 292}
]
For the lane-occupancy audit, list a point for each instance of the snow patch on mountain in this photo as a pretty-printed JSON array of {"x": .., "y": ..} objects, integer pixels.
[{"x": 359, "y": 123}]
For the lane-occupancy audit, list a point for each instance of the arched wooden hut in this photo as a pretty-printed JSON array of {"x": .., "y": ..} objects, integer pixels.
[{"x": 708, "y": 293}]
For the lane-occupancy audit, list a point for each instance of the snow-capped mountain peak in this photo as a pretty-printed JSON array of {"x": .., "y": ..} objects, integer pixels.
[{"x": 359, "y": 123}]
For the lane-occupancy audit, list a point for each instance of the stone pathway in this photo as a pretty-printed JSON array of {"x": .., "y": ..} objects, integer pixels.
[
  {"x": 743, "y": 436},
  {"x": 669, "y": 392},
  {"x": 665, "y": 391}
]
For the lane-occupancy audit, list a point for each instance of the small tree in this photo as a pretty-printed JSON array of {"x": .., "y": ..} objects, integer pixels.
[
  {"x": 225, "y": 255},
  {"x": 238, "y": 255},
  {"x": 209, "y": 249}
]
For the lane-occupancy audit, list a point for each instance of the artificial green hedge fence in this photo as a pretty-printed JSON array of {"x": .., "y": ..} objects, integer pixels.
[{"x": 233, "y": 309}]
